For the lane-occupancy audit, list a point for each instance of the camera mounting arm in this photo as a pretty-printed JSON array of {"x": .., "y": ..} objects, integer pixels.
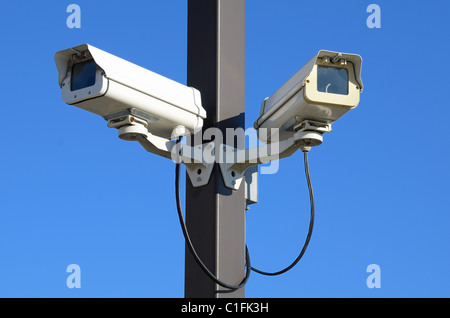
[
  {"x": 234, "y": 162},
  {"x": 199, "y": 160}
]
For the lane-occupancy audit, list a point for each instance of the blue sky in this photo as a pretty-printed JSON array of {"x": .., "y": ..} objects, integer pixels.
[{"x": 73, "y": 193}]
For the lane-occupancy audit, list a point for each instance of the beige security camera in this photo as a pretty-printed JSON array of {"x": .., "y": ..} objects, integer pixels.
[{"x": 321, "y": 92}]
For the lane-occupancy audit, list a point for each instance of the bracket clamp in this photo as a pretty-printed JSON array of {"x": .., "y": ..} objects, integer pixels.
[
  {"x": 199, "y": 160},
  {"x": 234, "y": 162}
]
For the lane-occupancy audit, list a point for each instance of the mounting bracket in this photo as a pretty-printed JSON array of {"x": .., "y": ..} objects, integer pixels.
[
  {"x": 199, "y": 160},
  {"x": 234, "y": 162}
]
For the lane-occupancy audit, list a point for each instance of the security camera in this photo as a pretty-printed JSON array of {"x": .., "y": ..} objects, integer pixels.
[
  {"x": 121, "y": 91},
  {"x": 321, "y": 92}
]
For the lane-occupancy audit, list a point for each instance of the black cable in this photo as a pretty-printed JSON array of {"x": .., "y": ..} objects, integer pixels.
[
  {"x": 311, "y": 224},
  {"x": 189, "y": 242}
]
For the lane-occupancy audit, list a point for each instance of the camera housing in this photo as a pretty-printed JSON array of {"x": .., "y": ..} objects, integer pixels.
[
  {"x": 321, "y": 92},
  {"x": 114, "y": 88}
]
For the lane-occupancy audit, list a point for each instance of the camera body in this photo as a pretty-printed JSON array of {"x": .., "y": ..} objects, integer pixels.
[
  {"x": 114, "y": 88},
  {"x": 321, "y": 92}
]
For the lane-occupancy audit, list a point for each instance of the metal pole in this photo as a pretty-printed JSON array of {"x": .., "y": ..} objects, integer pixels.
[{"x": 215, "y": 215}]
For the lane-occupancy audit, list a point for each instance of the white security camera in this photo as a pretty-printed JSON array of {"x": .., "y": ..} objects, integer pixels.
[
  {"x": 316, "y": 96},
  {"x": 121, "y": 91}
]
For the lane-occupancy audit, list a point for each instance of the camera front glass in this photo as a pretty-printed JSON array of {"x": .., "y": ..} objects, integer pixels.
[
  {"x": 83, "y": 75},
  {"x": 332, "y": 80}
]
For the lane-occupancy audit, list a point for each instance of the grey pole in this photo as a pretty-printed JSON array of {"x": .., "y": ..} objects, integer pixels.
[{"x": 215, "y": 215}]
